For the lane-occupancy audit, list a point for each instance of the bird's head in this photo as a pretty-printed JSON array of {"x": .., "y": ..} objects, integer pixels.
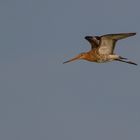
[{"x": 79, "y": 56}]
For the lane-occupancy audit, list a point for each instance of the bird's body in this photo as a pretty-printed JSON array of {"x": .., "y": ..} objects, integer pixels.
[
  {"x": 95, "y": 56},
  {"x": 102, "y": 49}
]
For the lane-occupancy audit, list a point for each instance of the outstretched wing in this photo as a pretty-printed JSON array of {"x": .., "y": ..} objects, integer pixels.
[
  {"x": 107, "y": 42},
  {"x": 94, "y": 42}
]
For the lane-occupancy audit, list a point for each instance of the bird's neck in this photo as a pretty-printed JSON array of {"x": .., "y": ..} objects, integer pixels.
[{"x": 90, "y": 56}]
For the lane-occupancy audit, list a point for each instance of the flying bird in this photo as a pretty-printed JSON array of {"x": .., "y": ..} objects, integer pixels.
[{"x": 102, "y": 49}]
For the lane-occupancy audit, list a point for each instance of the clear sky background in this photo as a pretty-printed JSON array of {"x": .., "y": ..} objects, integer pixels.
[{"x": 42, "y": 99}]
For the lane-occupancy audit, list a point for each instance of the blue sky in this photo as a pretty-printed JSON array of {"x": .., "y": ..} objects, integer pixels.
[{"x": 40, "y": 98}]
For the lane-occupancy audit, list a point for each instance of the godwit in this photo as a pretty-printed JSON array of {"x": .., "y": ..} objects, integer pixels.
[{"x": 102, "y": 49}]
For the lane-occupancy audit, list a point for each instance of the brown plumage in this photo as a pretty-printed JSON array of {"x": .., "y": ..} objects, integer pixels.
[{"x": 102, "y": 49}]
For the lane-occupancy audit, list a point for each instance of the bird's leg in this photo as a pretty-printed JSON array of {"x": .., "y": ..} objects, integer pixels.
[
  {"x": 129, "y": 62},
  {"x": 120, "y": 57},
  {"x": 113, "y": 56}
]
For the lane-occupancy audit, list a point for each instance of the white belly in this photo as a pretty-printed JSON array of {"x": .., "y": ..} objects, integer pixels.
[{"x": 107, "y": 58}]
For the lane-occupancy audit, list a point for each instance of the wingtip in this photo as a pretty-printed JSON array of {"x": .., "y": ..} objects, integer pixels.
[
  {"x": 134, "y": 33},
  {"x": 88, "y": 37}
]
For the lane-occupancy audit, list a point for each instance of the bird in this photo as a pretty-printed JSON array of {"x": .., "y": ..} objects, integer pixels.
[{"x": 102, "y": 49}]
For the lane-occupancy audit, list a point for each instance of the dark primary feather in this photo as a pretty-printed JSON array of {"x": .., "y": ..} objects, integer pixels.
[
  {"x": 93, "y": 41},
  {"x": 118, "y": 36},
  {"x": 108, "y": 41}
]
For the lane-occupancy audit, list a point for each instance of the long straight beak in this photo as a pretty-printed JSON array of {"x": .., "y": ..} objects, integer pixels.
[{"x": 73, "y": 59}]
